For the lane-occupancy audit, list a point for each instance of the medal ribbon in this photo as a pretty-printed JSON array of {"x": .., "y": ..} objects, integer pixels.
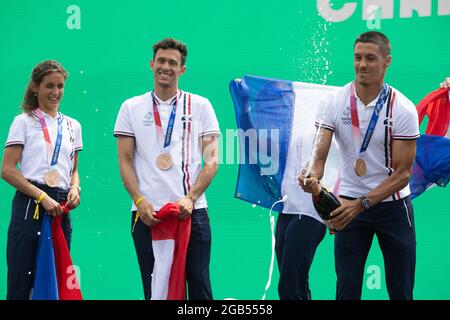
[
  {"x": 48, "y": 143},
  {"x": 170, "y": 124},
  {"x": 356, "y": 130}
]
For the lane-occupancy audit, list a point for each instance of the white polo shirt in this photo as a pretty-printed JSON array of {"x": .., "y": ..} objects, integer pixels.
[
  {"x": 398, "y": 120},
  {"x": 307, "y": 100},
  {"x": 26, "y": 131},
  {"x": 194, "y": 119}
]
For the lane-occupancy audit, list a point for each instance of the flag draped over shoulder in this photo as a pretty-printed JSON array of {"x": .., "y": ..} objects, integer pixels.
[
  {"x": 55, "y": 277},
  {"x": 279, "y": 116},
  {"x": 432, "y": 163},
  {"x": 170, "y": 239}
]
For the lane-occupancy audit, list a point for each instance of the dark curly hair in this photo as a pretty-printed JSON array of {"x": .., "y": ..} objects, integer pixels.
[{"x": 170, "y": 43}]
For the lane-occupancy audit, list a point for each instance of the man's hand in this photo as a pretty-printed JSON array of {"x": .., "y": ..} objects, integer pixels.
[
  {"x": 186, "y": 206},
  {"x": 309, "y": 184},
  {"x": 445, "y": 83},
  {"x": 343, "y": 215},
  {"x": 147, "y": 213}
]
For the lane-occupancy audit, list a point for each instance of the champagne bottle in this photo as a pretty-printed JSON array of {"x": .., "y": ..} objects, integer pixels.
[{"x": 325, "y": 202}]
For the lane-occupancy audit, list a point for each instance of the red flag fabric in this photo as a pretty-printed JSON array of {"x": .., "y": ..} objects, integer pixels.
[
  {"x": 68, "y": 286},
  {"x": 436, "y": 106},
  {"x": 170, "y": 240}
]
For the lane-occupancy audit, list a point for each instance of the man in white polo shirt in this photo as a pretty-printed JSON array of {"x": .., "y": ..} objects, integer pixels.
[
  {"x": 376, "y": 128},
  {"x": 162, "y": 136}
]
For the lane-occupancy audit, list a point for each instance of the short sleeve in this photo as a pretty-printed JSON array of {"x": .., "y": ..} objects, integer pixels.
[
  {"x": 406, "y": 124},
  {"x": 209, "y": 123},
  {"x": 324, "y": 115},
  {"x": 123, "y": 125},
  {"x": 17, "y": 132},
  {"x": 78, "y": 143}
]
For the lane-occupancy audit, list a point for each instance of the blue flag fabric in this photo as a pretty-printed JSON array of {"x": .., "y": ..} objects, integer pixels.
[
  {"x": 269, "y": 165},
  {"x": 264, "y": 113},
  {"x": 45, "y": 281},
  {"x": 432, "y": 164}
]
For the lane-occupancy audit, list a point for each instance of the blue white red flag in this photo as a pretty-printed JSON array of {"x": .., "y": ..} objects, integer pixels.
[
  {"x": 432, "y": 163},
  {"x": 276, "y": 128},
  {"x": 55, "y": 277}
]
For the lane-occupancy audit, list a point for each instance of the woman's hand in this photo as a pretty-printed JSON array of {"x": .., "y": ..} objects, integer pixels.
[
  {"x": 73, "y": 198},
  {"x": 51, "y": 206}
]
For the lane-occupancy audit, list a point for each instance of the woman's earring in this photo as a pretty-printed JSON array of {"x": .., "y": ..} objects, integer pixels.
[{"x": 35, "y": 94}]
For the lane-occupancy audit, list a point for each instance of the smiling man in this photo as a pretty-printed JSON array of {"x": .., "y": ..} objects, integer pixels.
[
  {"x": 378, "y": 148},
  {"x": 163, "y": 136}
]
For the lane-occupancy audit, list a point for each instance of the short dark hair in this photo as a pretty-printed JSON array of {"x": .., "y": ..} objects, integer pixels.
[
  {"x": 375, "y": 37},
  {"x": 170, "y": 43}
]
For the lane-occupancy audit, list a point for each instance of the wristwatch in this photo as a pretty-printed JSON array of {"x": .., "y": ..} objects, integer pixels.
[{"x": 365, "y": 202}]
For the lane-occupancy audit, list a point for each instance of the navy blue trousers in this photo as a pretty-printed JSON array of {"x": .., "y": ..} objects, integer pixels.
[
  {"x": 393, "y": 224},
  {"x": 23, "y": 240},
  {"x": 297, "y": 238},
  {"x": 197, "y": 260}
]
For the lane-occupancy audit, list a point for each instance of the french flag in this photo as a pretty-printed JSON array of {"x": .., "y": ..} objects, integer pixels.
[
  {"x": 432, "y": 163},
  {"x": 270, "y": 170},
  {"x": 170, "y": 240},
  {"x": 289, "y": 106},
  {"x": 55, "y": 277}
]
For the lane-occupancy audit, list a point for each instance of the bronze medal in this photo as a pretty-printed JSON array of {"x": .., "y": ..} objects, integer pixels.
[
  {"x": 164, "y": 161},
  {"x": 52, "y": 178},
  {"x": 360, "y": 167}
]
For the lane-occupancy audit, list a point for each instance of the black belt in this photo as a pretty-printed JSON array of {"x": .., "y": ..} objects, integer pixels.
[
  {"x": 57, "y": 194},
  {"x": 347, "y": 198}
]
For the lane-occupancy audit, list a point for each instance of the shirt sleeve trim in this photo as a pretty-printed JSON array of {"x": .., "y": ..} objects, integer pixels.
[
  {"x": 325, "y": 126},
  {"x": 414, "y": 137},
  {"x": 122, "y": 133},
  {"x": 13, "y": 143},
  {"x": 209, "y": 133}
]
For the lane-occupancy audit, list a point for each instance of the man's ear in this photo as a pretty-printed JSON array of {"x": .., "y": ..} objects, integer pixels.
[
  {"x": 388, "y": 60},
  {"x": 152, "y": 63},
  {"x": 183, "y": 70}
]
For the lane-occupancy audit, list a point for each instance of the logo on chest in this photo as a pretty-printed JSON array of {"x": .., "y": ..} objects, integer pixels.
[
  {"x": 186, "y": 118},
  {"x": 346, "y": 116},
  {"x": 148, "y": 120},
  {"x": 388, "y": 123}
]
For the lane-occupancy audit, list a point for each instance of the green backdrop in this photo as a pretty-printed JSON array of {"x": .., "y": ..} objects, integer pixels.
[{"x": 107, "y": 53}]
